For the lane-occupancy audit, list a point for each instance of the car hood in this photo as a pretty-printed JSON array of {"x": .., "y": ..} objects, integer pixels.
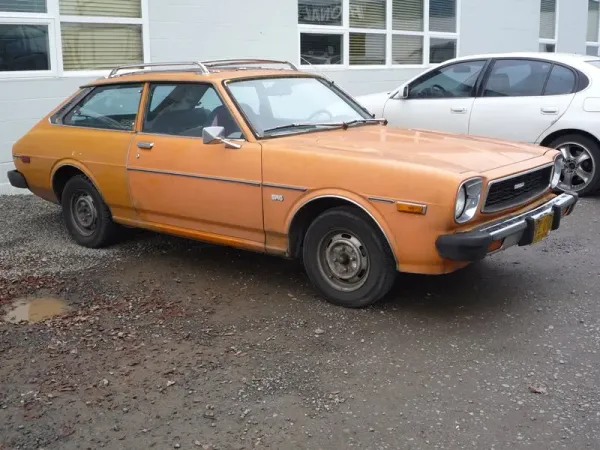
[{"x": 450, "y": 152}]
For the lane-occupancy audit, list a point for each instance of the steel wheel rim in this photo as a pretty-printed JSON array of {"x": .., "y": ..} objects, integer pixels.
[
  {"x": 579, "y": 167},
  {"x": 343, "y": 261},
  {"x": 84, "y": 213}
]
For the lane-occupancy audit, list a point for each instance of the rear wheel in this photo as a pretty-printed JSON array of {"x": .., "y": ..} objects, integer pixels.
[
  {"x": 347, "y": 258},
  {"x": 582, "y": 156},
  {"x": 86, "y": 216}
]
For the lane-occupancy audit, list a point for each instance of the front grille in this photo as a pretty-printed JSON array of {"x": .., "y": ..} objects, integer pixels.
[{"x": 517, "y": 190}]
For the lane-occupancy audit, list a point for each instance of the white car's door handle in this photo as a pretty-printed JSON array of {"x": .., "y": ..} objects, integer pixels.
[
  {"x": 458, "y": 110},
  {"x": 549, "y": 110}
]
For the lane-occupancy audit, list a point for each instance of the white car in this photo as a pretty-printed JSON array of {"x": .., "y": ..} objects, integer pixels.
[{"x": 547, "y": 99}]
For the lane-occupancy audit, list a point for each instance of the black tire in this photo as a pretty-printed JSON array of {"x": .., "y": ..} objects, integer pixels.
[
  {"x": 352, "y": 223},
  {"x": 102, "y": 230},
  {"x": 594, "y": 150}
]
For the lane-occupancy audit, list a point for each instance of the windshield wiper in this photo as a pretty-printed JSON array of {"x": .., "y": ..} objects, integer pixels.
[
  {"x": 345, "y": 125},
  {"x": 302, "y": 125}
]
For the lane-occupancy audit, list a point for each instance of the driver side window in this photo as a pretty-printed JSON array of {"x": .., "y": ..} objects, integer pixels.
[
  {"x": 186, "y": 109},
  {"x": 453, "y": 81}
]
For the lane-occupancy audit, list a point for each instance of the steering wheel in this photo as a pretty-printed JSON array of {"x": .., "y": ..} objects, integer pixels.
[
  {"x": 321, "y": 111},
  {"x": 436, "y": 88}
]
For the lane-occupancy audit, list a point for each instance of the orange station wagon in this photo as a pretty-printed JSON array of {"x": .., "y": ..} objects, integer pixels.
[{"x": 257, "y": 155}]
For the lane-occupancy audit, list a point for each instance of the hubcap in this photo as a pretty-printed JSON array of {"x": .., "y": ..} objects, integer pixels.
[
  {"x": 343, "y": 261},
  {"x": 83, "y": 212},
  {"x": 579, "y": 167}
]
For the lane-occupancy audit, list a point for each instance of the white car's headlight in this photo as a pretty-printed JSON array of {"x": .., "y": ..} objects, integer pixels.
[
  {"x": 559, "y": 165},
  {"x": 467, "y": 200}
]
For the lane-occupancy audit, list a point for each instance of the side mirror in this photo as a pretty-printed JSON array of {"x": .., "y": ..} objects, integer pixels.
[
  {"x": 405, "y": 91},
  {"x": 214, "y": 135}
]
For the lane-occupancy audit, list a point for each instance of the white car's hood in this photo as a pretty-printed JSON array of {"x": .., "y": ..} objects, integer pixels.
[{"x": 374, "y": 102}]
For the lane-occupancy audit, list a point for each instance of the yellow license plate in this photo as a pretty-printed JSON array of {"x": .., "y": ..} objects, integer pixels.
[{"x": 542, "y": 227}]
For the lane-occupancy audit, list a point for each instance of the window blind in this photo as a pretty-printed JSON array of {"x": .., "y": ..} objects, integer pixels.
[
  {"x": 548, "y": 19},
  {"x": 100, "y": 46},
  {"x": 368, "y": 14},
  {"x": 23, "y": 6},
  {"x": 407, "y": 15},
  {"x": 593, "y": 21},
  {"x": 105, "y": 8},
  {"x": 367, "y": 49},
  {"x": 442, "y": 16},
  {"x": 407, "y": 49}
]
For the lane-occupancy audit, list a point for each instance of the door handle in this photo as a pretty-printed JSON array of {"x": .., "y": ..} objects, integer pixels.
[
  {"x": 549, "y": 110},
  {"x": 145, "y": 145},
  {"x": 458, "y": 110}
]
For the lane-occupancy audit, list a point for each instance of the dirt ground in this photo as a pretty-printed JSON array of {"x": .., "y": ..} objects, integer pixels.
[{"x": 169, "y": 343}]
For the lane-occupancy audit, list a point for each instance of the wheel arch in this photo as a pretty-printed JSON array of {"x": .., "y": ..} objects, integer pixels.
[
  {"x": 308, "y": 209},
  {"x": 545, "y": 142},
  {"x": 63, "y": 171}
]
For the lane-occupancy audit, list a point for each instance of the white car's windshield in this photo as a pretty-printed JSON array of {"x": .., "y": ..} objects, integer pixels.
[{"x": 276, "y": 106}]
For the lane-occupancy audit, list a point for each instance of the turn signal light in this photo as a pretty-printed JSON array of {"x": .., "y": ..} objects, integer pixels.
[
  {"x": 411, "y": 208},
  {"x": 495, "y": 245}
]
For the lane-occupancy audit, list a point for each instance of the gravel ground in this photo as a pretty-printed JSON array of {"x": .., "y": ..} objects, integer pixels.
[{"x": 170, "y": 343}]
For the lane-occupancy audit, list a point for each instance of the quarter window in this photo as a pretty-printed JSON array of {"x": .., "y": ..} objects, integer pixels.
[
  {"x": 358, "y": 32},
  {"x": 561, "y": 81},
  {"x": 107, "y": 107},
  {"x": 453, "y": 81},
  {"x": 185, "y": 109},
  {"x": 517, "y": 78}
]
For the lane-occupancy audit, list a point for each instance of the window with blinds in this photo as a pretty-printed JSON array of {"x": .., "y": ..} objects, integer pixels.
[
  {"x": 548, "y": 19},
  {"x": 368, "y": 14},
  {"x": 408, "y": 15},
  {"x": 367, "y": 49},
  {"x": 442, "y": 16},
  {"x": 90, "y": 46},
  {"x": 23, "y": 6},
  {"x": 103, "y": 8},
  {"x": 593, "y": 24},
  {"x": 320, "y": 12},
  {"x": 407, "y": 49}
]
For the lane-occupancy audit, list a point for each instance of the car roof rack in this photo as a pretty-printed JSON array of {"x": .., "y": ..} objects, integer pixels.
[
  {"x": 203, "y": 66},
  {"x": 246, "y": 63},
  {"x": 142, "y": 66}
]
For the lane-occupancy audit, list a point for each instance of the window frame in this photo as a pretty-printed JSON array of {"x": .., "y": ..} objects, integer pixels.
[
  {"x": 53, "y": 19},
  {"x": 595, "y": 44},
  {"x": 389, "y": 32},
  {"x": 58, "y": 119},
  {"x": 579, "y": 85},
  {"x": 553, "y": 41},
  {"x": 146, "y": 103}
]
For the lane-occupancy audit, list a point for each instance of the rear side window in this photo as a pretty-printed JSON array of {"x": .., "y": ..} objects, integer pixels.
[
  {"x": 107, "y": 107},
  {"x": 561, "y": 81},
  {"x": 517, "y": 78}
]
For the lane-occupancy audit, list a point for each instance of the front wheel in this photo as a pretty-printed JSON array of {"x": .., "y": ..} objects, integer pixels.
[
  {"x": 581, "y": 155},
  {"x": 86, "y": 215},
  {"x": 348, "y": 259}
]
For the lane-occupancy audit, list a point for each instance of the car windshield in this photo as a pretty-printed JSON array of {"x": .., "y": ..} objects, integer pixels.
[{"x": 281, "y": 106}]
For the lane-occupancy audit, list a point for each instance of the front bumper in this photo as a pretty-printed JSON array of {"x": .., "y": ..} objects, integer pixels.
[
  {"x": 516, "y": 230},
  {"x": 16, "y": 179}
]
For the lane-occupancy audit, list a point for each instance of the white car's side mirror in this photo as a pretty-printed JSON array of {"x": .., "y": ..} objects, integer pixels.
[{"x": 401, "y": 93}]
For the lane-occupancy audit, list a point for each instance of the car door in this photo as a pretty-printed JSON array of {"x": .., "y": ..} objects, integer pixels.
[
  {"x": 439, "y": 100},
  {"x": 177, "y": 181},
  {"x": 521, "y": 98}
]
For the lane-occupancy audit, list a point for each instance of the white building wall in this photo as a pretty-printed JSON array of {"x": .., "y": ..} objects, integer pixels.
[{"x": 201, "y": 29}]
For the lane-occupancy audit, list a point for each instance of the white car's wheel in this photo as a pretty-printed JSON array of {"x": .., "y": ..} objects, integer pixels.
[{"x": 582, "y": 156}]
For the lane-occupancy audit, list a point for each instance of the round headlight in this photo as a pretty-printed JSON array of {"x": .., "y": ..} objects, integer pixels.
[
  {"x": 461, "y": 202},
  {"x": 559, "y": 165}
]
